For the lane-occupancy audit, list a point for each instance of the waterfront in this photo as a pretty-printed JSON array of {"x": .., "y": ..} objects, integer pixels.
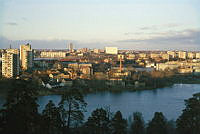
[{"x": 169, "y": 100}]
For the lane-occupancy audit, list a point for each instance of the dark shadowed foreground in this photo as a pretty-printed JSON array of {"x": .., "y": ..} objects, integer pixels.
[{"x": 20, "y": 116}]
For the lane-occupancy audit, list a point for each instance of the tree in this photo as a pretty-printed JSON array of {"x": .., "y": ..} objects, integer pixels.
[
  {"x": 20, "y": 113},
  {"x": 171, "y": 127},
  {"x": 98, "y": 122},
  {"x": 118, "y": 124},
  {"x": 51, "y": 118},
  {"x": 189, "y": 121},
  {"x": 72, "y": 106},
  {"x": 138, "y": 126},
  {"x": 158, "y": 125}
]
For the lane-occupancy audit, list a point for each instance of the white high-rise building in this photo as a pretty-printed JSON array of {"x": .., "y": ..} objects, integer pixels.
[
  {"x": 111, "y": 50},
  {"x": 197, "y": 55},
  {"x": 191, "y": 55},
  {"x": 26, "y": 56},
  {"x": 182, "y": 55},
  {"x": 172, "y": 54},
  {"x": 10, "y": 63}
]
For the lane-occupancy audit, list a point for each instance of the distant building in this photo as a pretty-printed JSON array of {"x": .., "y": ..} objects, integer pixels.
[
  {"x": 163, "y": 66},
  {"x": 120, "y": 57},
  {"x": 53, "y": 54},
  {"x": 190, "y": 55},
  {"x": 172, "y": 54},
  {"x": 26, "y": 56},
  {"x": 14, "y": 51},
  {"x": 111, "y": 50},
  {"x": 182, "y": 55},
  {"x": 84, "y": 50},
  {"x": 131, "y": 56},
  {"x": 154, "y": 55},
  {"x": 165, "y": 56},
  {"x": 96, "y": 51},
  {"x": 10, "y": 63},
  {"x": 150, "y": 65},
  {"x": 185, "y": 70},
  {"x": 142, "y": 55},
  {"x": 197, "y": 55},
  {"x": 71, "y": 47}
]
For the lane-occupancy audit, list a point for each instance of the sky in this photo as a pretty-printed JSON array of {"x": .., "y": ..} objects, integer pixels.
[{"x": 126, "y": 24}]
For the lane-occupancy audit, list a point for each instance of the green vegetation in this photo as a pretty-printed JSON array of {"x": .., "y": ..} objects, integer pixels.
[
  {"x": 98, "y": 122},
  {"x": 52, "y": 121},
  {"x": 137, "y": 82},
  {"x": 158, "y": 125},
  {"x": 118, "y": 124},
  {"x": 189, "y": 121},
  {"x": 138, "y": 126},
  {"x": 20, "y": 116}
]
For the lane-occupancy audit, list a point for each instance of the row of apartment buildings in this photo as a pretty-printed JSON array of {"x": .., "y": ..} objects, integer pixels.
[{"x": 114, "y": 51}]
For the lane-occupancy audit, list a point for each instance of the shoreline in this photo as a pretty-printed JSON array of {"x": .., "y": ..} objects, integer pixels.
[{"x": 114, "y": 89}]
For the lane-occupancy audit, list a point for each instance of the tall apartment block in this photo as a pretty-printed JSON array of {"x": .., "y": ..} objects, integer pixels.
[
  {"x": 26, "y": 56},
  {"x": 71, "y": 47},
  {"x": 182, "y": 55},
  {"x": 10, "y": 63}
]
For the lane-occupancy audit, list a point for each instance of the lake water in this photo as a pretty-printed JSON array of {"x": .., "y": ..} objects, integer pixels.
[{"x": 169, "y": 100}]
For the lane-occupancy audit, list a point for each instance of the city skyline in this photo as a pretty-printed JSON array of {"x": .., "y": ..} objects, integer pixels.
[{"x": 137, "y": 24}]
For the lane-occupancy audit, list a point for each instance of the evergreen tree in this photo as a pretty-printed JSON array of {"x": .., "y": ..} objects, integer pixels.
[
  {"x": 171, "y": 127},
  {"x": 138, "y": 126},
  {"x": 20, "y": 113},
  {"x": 72, "y": 106},
  {"x": 51, "y": 118},
  {"x": 98, "y": 122},
  {"x": 118, "y": 124},
  {"x": 158, "y": 125},
  {"x": 189, "y": 121}
]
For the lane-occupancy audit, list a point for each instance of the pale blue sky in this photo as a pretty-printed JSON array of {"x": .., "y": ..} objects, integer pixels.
[{"x": 97, "y": 23}]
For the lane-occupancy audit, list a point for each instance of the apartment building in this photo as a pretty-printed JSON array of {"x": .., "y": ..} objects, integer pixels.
[
  {"x": 10, "y": 63},
  {"x": 26, "y": 56}
]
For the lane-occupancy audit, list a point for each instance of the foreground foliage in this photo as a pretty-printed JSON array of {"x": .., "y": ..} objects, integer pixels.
[
  {"x": 20, "y": 115},
  {"x": 189, "y": 121}
]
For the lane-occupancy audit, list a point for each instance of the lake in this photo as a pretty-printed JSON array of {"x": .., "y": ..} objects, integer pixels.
[{"x": 169, "y": 100}]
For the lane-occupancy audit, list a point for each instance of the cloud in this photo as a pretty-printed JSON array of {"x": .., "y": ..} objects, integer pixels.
[
  {"x": 180, "y": 36},
  {"x": 153, "y": 27},
  {"x": 172, "y": 25},
  {"x": 49, "y": 44},
  {"x": 188, "y": 39},
  {"x": 147, "y": 30},
  {"x": 171, "y": 39},
  {"x": 24, "y": 18},
  {"x": 156, "y": 27},
  {"x": 134, "y": 33},
  {"x": 12, "y": 23}
]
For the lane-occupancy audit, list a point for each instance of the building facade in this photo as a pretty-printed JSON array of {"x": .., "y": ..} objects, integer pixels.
[
  {"x": 172, "y": 54},
  {"x": 111, "y": 50},
  {"x": 182, "y": 55},
  {"x": 10, "y": 63},
  {"x": 71, "y": 47},
  {"x": 53, "y": 54},
  {"x": 26, "y": 56},
  {"x": 191, "y": 55}
]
